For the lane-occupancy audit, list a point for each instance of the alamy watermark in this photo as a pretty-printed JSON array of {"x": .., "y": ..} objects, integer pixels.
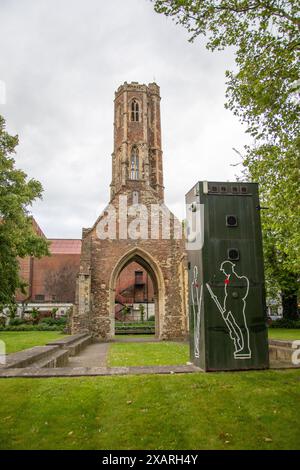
[
  {"x": 296, "y": 353},
  {"x": 2, "y": 352},
  {"x": 155, "y": 222}
]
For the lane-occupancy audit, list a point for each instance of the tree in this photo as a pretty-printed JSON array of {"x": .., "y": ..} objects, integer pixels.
[
  {"x": 142, "y": 312},
  {"x": 263, "y": 92},
  {"x": 278, "y": 174},
  {"x": 265, "y": 37},
  {"x": 125, "y": 312},
  {"x": 17, "y": 236}
]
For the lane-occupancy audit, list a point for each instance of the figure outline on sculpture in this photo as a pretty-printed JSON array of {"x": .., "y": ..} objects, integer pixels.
[
  {"x": 196, "y": 301},
  {"x": 239, "y": 333}
]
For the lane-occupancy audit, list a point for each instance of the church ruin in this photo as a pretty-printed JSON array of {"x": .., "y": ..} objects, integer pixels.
[{"x": 133, "y": 226}]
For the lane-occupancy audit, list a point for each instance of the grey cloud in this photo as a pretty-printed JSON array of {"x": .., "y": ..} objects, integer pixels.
[{"x": 62, "y": 61}]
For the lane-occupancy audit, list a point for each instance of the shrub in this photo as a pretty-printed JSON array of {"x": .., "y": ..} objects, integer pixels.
[
  {"x": 285, "y": 323},
  {"x": 47, "y": 321},
  {"x": 54, "y": 312},
  {"x": 53, "y": 321},
  {"x": 12, "y": 311},
  {"x": 16, "y": 322},
  {"x": 142, "y": 311},
  {"x": 135, "y": 324},
  {"x": 27, "y": 327},
  {"x": 35, "y": 314}
]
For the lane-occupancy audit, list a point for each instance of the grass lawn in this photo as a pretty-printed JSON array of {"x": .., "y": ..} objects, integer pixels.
[
  {"x": 248, "y": 410},
  {"x": 147, "y": 354},
  {"x": 167, "y": 353},
  {"x": 282, "y": 333},
  {"x": 18, "y": 340}
]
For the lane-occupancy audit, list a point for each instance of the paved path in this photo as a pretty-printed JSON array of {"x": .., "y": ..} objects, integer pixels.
[
  {"x": 96, "y": 371},
  {"x": 94, "y": 355},
  {"x": 92, "y": 361}
]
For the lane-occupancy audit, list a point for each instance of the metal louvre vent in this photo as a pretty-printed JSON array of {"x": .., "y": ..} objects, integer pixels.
[
  {"x": 233, "y": 254},
  {"x": 231, "y": 220}
]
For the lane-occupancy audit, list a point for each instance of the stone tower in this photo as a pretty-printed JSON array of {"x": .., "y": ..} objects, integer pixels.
[
  {"x": 135, "y": 226},
  {"x": 137, "y": 137}
]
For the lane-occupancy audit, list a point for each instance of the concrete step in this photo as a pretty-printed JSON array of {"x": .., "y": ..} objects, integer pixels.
[
  {"x": 285, "y": 343},
  {"x": 28, "y": 357},
  {"x": 77, "y": 347},
  {"x": 59, "y": 358},
  {"x": 281, "y": 350},
  {"x": 68, "y": 340},
  {"x": 74, "y": 344}
]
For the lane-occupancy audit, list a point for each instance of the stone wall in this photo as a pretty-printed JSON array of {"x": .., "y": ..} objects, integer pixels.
[{"x": 160, "y": 253}]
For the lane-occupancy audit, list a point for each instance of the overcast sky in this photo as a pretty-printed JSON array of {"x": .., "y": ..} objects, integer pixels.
[{"x": 61, "y": 62}]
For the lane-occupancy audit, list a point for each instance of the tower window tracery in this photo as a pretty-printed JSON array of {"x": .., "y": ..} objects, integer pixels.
[
  {"x": 134, "y": 165},
  {"x": 135, "y": 111}
]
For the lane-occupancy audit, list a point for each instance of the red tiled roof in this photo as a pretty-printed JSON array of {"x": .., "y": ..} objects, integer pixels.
[
  {"x": 65, "y": 246},
  {"x": 37, "y": 228}
]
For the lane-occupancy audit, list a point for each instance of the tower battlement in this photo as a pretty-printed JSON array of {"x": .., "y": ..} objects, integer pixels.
[{"x": 135, "y": 86}]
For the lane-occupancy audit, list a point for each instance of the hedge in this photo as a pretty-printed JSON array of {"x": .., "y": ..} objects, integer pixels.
[
  {"x": 39, "y": 327},
  {"x": 285, "y": 323}
]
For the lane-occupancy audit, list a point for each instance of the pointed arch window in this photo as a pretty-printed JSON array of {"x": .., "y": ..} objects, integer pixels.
[
  {"x": 135, "y": 110},
  {"x": 134, "y": 167}
]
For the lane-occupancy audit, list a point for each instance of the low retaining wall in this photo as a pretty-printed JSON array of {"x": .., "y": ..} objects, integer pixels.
[
  {"x": 281, "y": 351},
  {"x": 54, "y": 354},
  {"x": 74, "y": 344},
  {"x": 38, "y": 356}
]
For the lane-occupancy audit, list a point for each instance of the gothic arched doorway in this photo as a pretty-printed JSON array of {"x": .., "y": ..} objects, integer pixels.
[{"x": 148, "y": 282}]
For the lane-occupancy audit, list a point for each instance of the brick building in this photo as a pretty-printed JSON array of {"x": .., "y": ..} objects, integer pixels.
[
  {"x": 134, "y": 287},
  {"x": 52, "y": 279},
  {"x": 114, "y": 242}
]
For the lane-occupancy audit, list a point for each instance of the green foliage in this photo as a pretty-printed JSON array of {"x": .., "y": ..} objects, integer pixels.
[
  {"x": 277, "y": 171},
  {"x": 126, "y": 311},
  {"x": 45, "y": 324},
  {"x": 134, "y": 323},
  {"x": 12, "y": 312},
  {"x": 54, "y": 321},
  {"x": 142, "y": 311},
  {"x": 54, "y": 312},
  {"x": 263, "y": 92},
  {"x": 135, "y": 328},
  {"x": 35, "y": 314},
  {"x": 17, "y": 236},
  {"x": 265, "y": 38},
  {"x": 30, "y": 327},
  {"x": 16, "y": 322},
  {"x": 286, "y": 323}
]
